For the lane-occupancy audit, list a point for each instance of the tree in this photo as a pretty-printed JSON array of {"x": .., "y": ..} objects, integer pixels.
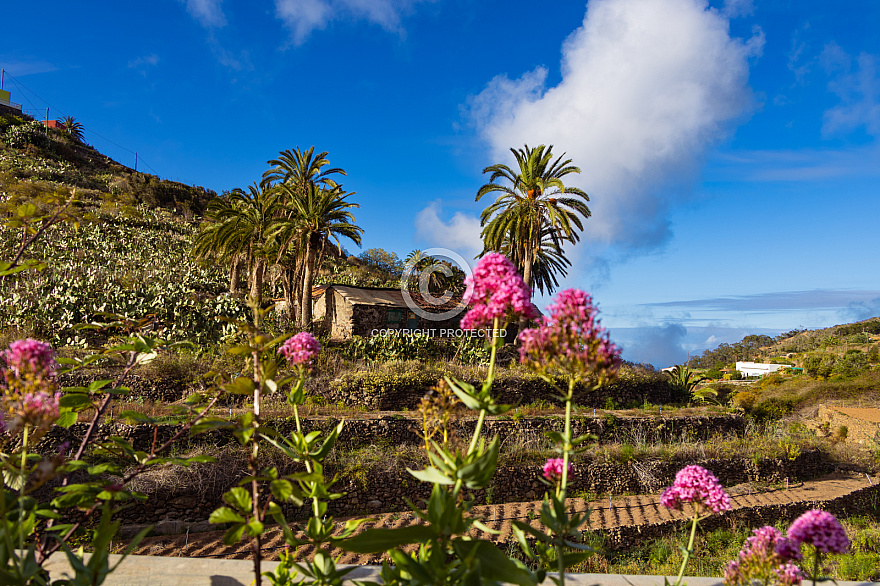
[
  {"x": 74, "y": 128},
  {"x": 294, "y": 175},
  {"x": 683, "y": 382},
  {"x": 313, "y": 218},
  {"x": 301, "y": 169},
  {"x": 549, "y": 261},
  {"x": 534, "y": 211},
  {"x": 383, "y": 260},
  {"x": 238, "y": 226}
]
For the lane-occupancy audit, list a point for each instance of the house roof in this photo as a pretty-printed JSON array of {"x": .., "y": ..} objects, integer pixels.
[
  {"x": 391, "y": 298},
  {"x": 363, "y": 296},
  {"x": 386, "y": 297}
]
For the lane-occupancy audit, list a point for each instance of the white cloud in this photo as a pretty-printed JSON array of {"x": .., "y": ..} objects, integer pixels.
[
  {"x": 26, "y": 67},
  {"x": 461, "y": 233},
  {"x": 858, "y": 90},
  {"x": 737, "y": 8},
  {"x": 302, "y": 17},
  {"x": 152, "y": 59},
  {"x": 797, "y": 165},
  {"x": 648, "y": 86},
  {"x": 209, "y": 13}
]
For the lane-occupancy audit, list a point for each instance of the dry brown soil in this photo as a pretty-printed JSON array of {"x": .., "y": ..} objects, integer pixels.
[
  {"x": 605, "y": 513},
  {"x": 868, "y": 414}
]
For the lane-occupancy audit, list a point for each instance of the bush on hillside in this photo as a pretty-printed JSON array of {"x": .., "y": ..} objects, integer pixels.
[
  {"x": 22, "y": 135},
  {"x": 7, "y": 121},
  {"x": 853, "y": 364},
  {"x": 819, "y": 365}
]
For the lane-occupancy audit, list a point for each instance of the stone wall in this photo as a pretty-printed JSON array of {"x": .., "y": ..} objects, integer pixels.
[
  {"x": 391, "y": 391},
  {"x": 862, "y": 425},
  {"x": 165, "y": 389},
  {"x": 396, "y": 430},
  {"x": 388, "y": 491}
]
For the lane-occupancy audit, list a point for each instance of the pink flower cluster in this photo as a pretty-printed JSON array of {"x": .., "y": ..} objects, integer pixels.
[
  {"x": 496, "y": 291},
  {"x": 30, "y": 358},
  {"x": 766, "y": 559},
  {"x": 300, "y": 350},
  {"x": 29, "y": 389},
  {"x": 821, "y": 530},
  {"x": 696, "y": 485},
  {"x": 553, "y": 469},
  {"x": 570, "y": 340},
  {"x": 39, "y": 408}
]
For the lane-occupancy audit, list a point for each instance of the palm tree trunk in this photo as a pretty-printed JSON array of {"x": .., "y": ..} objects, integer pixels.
[
  {"x": 527, "y": 278},
  {"x": 235, "y": 274},
  {"x": 291, "y": 282},
  {"x": 308, "y": 277},
  {"x": 257, "y": 287}
]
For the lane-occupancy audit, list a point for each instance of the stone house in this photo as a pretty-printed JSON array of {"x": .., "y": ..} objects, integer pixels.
[{"x": 363, "y": 311}]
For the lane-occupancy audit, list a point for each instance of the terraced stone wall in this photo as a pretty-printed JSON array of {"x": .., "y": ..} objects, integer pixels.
[
  {"x": 387, "y": 491},
  {"x": 399, "y": 430}
]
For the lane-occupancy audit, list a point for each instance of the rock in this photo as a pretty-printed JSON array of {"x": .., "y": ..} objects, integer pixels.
[{"x": 374, "y": 504}]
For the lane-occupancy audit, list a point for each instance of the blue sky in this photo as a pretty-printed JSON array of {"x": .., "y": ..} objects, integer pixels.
[{"x": 730, "y": 148}]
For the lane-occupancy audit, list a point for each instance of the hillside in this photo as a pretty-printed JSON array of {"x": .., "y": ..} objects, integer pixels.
[
  {"x": 858, "y": 341},
  {"x": 28, "y": 152},
  {"x": 125, "y": 250}
]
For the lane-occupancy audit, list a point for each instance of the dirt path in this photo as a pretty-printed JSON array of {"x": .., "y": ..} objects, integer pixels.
[{"x": 612, "y": 513}]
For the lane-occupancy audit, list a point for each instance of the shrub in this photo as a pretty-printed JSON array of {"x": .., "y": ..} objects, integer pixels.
[
  {"x": 852, "y": 364},
  {"x": 9, "y": 120},
  {"x": 819, "y": 365},
  {"x": 21, "y": 135},
  {"x": 772, "y": 408}
]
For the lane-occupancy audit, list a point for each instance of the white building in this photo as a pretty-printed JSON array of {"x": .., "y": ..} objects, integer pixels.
[{"x": 758, "y": 369}]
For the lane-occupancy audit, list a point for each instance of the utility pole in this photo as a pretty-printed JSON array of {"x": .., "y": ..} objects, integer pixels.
[
  {"x": 135, "y": 161},
  {"x": 2, "y": 75},
  {"x": 47, "y": 120}
]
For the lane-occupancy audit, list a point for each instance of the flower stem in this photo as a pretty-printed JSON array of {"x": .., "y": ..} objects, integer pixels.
[
  {"x": 24, "y": 475},
  {"x": 561, "y": 488},
  {"x": 688, "y": 552},
  {"x": 490, "y": 378},
  {"x": 816, "y": 556}
]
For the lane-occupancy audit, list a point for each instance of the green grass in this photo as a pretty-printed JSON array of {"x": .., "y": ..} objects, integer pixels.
[{"x": 714, "y": 549}]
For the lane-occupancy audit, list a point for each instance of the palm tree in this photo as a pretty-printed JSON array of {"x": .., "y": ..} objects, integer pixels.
[
  {"x": 549, "y": 261},
  {"x": 298, "y": 176},
  {"x": 533, "y": 213},
  {"x": 312, "y": 218},
  {"x": 301, "y": 168},
  {"x": 238, "y": 228},
  {"x": 74, "y": 128}
]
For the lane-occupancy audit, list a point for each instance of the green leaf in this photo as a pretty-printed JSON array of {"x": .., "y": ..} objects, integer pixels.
[
  {"x": 225, "y": 515},
  {"x": 66, "y": 419},
  {"x": 240, "y": 386},
  {"x": 494, "y": 564},
  {"x": 380, "y": 540},
  {"x": 233, "y": 534},
  {"x": 104, "y": 468},
  {"x": 281, "y": 489},
  {"x": 254, "y": 528},
  {"x": 239, "y": 498},
  {"x": 74, "y": 400},
  {"x": 12, "y": 479},
  {"x": 26, "y": 210},
  {"x": 98, "y": 384},
  {"x": 431, "y": 475}
]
